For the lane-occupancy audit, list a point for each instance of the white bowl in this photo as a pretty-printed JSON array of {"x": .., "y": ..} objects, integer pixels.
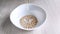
[{"x": 27, "y": 9}]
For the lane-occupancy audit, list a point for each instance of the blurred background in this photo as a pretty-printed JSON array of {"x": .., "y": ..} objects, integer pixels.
[{"x": 51, "y": 25}]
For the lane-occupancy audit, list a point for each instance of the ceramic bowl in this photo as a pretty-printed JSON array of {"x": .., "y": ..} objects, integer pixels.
[{"x": 27, "y": 9}]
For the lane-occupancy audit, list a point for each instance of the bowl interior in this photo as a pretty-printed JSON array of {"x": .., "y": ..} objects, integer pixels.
[{"x": 27, "y": 9}]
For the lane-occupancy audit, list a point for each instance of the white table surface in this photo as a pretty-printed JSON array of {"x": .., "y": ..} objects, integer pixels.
[{"x": 51, "y": 25}]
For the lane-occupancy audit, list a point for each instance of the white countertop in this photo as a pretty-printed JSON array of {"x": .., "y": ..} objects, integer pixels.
[{"x": 51, "y": 25}]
